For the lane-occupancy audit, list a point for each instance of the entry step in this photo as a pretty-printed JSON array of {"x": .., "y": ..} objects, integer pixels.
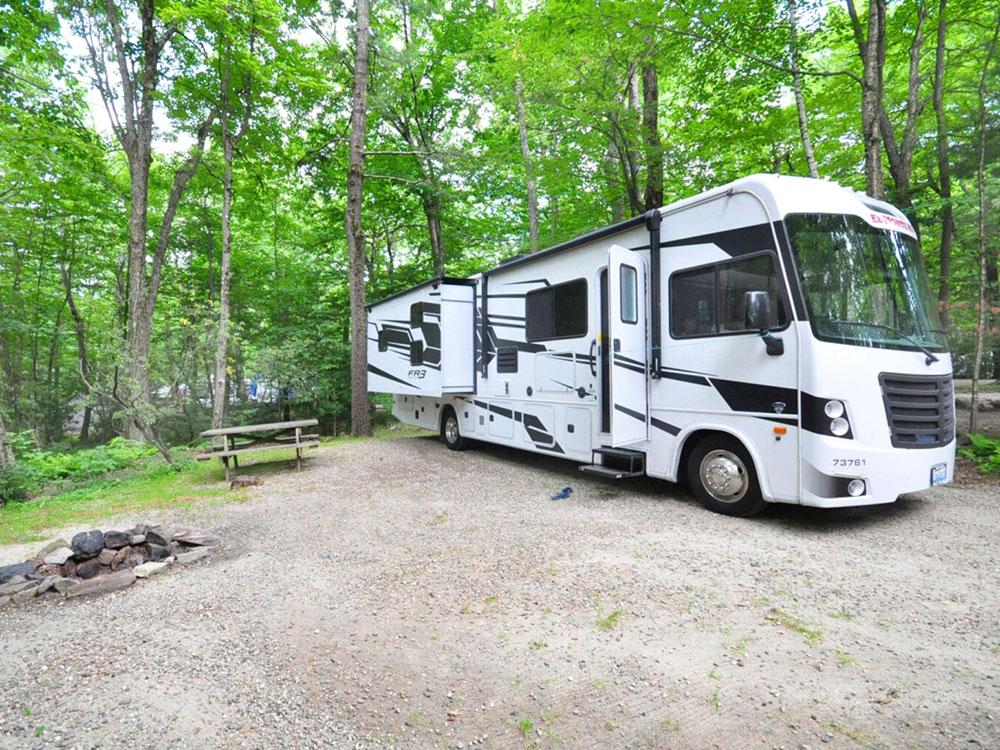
[
  {"x": 609, "y": 471},
  {"x": 633, "y": 463}
]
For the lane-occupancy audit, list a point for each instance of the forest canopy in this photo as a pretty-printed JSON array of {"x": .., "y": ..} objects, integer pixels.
[{"x": 176, "y": 175}]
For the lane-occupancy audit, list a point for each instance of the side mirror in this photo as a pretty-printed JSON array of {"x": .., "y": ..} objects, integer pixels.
[
  {"x": 758, "y": 310},
  {"x": 758, "y": 318}
]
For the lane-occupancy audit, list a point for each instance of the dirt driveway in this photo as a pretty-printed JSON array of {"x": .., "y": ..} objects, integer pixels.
[{"x": 395, "y": 593}]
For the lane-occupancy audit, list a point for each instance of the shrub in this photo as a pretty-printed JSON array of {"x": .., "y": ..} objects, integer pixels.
[
  {"x": 118, "y": 454},
  {"x": 984, "y": 452},
  {"x": 15, "y": 484}
]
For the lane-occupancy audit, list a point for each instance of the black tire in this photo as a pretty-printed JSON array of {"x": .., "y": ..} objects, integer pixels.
[
  {"x": 450, "y": 431},
  {"x": 735, "y": 490}
]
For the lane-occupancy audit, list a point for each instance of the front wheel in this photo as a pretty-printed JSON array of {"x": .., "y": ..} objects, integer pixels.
[
  {"x": 722, "y": 475},
  {"x": 450, "y": 433}
]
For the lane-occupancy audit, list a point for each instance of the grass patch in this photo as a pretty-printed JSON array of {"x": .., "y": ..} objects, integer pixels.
[
  {"x": 715, "y": 702},
  {"x": 610, "y": 622},
  {"x": 537, "y": 645},
  {"x": 525, "y": 725},
  {"x": 151, "y": 486},
  {"x": 843, "y": 657},
  {"x": 148, "y": 485},
  {"x": 790, "y": 621}
]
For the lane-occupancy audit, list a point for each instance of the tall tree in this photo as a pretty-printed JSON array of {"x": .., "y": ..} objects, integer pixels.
[
  {"x": 529, "y": 170},
  {"x": 800, "y": 100},
  {"x": 871, "y": 48},
  {"x": 360, "y": 415},
  {"x": 984, "y": 260},
  {"x": 944, "y": 170},
  {"x": 136, "y": 88},
  {"x": 230, "y": 138},
  {"x": 651, "y": 130}
]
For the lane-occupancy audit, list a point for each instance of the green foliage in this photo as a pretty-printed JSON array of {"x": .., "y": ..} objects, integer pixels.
[
  {"x": 15, "y": 484},
  {"x": 985, "y": 452},
  {"x": 48, "y": 466}
]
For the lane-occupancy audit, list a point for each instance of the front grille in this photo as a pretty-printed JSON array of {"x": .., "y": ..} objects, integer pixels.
[{"x": 920, "y": 409}]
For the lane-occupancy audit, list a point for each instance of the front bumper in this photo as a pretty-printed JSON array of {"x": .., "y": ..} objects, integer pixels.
[{"x": 828, "y": 464}]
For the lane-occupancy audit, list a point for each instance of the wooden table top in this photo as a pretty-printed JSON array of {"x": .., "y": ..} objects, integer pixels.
[{"x": 269, "y": 427}]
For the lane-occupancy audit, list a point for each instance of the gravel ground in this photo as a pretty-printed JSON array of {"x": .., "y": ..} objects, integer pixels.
[{"x": 395, "y": 593}]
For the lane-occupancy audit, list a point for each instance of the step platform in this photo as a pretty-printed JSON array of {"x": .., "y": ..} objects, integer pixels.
[{"x": 616, "y": 463}]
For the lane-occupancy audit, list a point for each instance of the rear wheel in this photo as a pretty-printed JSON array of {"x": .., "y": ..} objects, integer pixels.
[
  {"x": 450, "y": 432},
  {"x": 722, "y": 475}
]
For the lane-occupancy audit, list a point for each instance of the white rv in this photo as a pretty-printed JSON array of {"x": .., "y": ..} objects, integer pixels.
[{"x": 773, "y": 340}]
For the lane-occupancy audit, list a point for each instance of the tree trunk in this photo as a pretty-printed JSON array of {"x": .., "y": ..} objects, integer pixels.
[
  {"x": 944, "y": 171},
  {"x": 6, "y": 451},
  {"x": 360, "y": 416},
  {"x": 800, "y": 101},
  {"x": 81, "y": 349},
  {"x": 225, "y": 271},
  {"x": 529, "y": 172},
  {"x": 871, "y": 98},
  {"x": 431, "y": 203},
  {"x": 983, "y": 256},
  {"x": 651, "y": 133}
]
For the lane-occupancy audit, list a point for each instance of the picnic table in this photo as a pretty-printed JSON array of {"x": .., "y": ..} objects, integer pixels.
[{"x": 251, "y": 438}]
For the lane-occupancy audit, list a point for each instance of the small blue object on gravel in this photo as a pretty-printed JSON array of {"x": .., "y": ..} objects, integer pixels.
[{"x": 563, "y": 493}]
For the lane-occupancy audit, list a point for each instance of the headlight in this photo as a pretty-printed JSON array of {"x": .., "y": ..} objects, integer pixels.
[
  {"x": 856, "y": 487},
  {"x": 834, "y": 409},
  {"x": 839, "y": 427}
]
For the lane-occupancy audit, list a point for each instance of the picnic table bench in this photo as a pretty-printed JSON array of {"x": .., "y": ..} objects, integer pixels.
[{"x": 251, "y": 438}]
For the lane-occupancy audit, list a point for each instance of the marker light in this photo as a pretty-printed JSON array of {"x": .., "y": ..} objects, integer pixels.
[
  {"x": 856, "y": 487},
  {"x": 839, "y": 427},
  {"x": 834, "y": 409}
]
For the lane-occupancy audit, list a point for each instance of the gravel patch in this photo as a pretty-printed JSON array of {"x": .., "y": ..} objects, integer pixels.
[{"x": 398, "y": 594}]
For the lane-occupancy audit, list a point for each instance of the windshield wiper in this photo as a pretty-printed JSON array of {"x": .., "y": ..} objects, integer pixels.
[{"x": 931, "y": 359}]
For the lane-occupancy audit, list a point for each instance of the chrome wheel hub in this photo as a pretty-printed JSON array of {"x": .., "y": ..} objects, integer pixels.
[
  {"x": 451, "y": 433},
  {"x": 724, "y": 476}
]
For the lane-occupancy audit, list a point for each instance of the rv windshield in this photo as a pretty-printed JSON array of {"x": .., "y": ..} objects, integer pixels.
[{"x": 862, "y": 285}]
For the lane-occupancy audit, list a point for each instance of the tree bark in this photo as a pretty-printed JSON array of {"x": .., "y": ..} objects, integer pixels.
[
  {"x": 944, "y": 171},
  {"x": 983, "y": 251},
  {"x": 871, "y": 49},
  {"x": 81, "y": 348},
  {"x": 529, "y": 171},
  {"x": 360, "y": 416},
  {"x": 651, "y": 132},
  {"x": 800, "y": 101},
  {"x": 6, "y": 451},
  {"x": 225, "y": 270}
]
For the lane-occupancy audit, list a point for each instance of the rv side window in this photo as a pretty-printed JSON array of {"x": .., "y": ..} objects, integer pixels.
[
  {"x": 630, "y": 294},
  {"x": 416, "y": 352},
  {"x": 712, "y": 300},
  {"x": 383, "y": 341},
  {"x": 557, "y": 312},
  {"x": 416, "y": 315}
]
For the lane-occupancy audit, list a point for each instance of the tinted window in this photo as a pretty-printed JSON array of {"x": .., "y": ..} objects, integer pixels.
[
  {"x": 630, "y": 294},
  {"x": 383, "y": 341},
  {"x": 557, "y": 312},
  {"x": 712, "y": 300}
]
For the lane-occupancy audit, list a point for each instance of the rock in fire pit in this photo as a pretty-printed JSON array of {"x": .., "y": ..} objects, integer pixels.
[{"x": 96, "y": 562}]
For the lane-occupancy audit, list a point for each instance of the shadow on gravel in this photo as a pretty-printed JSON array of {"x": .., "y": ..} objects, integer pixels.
[{"x": 789, "y": 517}]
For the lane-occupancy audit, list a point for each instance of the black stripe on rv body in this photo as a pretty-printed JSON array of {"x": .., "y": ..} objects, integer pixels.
[
  {"x": 733, "y": 242},
  {"x": 757, "y": 397},
  {"x": 383, "y": 374},
  {"x": 684, "y": 377},
  {"x": 630, "y": 367},
  {"x": 544, "y": 282}
]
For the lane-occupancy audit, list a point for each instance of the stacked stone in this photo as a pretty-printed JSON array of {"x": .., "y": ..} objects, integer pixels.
[{"x": 96, "y": 562}]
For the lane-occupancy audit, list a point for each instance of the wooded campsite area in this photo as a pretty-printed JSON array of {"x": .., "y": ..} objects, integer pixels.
[{"x": 198, "y": 198}]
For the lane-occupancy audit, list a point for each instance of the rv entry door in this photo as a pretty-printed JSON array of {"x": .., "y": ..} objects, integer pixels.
[{"x": 628, "y": 351}]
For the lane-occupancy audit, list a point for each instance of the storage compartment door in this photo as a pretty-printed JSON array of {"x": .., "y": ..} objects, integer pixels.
[
  {"x": 629, "y": 351},
  {"x": 458, "y": 355}
]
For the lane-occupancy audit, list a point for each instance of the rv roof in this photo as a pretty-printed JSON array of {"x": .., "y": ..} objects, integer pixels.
[{"x": 780, "y": 194}]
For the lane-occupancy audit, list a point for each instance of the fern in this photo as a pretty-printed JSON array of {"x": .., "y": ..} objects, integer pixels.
[{"x": 984, "y": 452}]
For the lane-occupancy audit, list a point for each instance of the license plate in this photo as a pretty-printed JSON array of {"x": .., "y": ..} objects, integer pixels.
[{"x": 939, "y": 474}]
